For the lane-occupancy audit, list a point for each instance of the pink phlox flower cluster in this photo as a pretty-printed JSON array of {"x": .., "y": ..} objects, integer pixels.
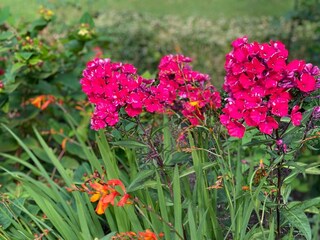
[
  {"x": 185, "y": 90},
  {"x": 111, "y": 86},
  {"x": 260, "y": 84}
]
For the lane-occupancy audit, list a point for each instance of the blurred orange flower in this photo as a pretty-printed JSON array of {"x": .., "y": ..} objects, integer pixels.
[
  {"x": 106, "y": 194},
  {"x": 147, "y": 235},
  {"x": 42, "y": 101}
]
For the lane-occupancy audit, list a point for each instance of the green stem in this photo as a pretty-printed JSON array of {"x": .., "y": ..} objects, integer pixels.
[{"x": 159, "y": 160}]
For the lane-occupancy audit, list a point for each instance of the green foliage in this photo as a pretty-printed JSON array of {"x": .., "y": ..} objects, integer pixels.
[{"x": 40, "y": 68}]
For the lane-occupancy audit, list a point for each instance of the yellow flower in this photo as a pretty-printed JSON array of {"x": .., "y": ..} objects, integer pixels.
[
  {"x": 47, "y": 14},
  {"x": 83, "y": 32}
]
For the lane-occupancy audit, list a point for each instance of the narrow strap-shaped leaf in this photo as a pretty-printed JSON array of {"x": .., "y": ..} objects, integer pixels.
[
  {"x": 163, "y": 208},
  {"x": 177, "y": 203},
  {"x": 192, "y": 224}
]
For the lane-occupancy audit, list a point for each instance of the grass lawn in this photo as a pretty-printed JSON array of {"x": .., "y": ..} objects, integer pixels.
[{"x": 211, "y": 9}]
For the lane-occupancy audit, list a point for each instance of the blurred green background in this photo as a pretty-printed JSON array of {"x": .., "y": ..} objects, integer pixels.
[{"x": 211, "y": 9}]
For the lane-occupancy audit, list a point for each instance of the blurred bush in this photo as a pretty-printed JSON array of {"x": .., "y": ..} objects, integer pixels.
[
  {"x": 40, "y": 70},
  {"x": 142, "y": 39},
  {"x": 306, "y": 16}
]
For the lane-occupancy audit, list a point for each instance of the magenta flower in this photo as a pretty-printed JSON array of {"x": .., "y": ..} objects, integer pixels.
[
  {"x": 111, "y": 86},
  {"x": 261, "y": 86},
  {"x": 268, "y": 125},
  {"x": 183, "y": 89},
  {"x": 296, "y": 116},
  {"x": 236, "y": 129},
  {"x": 307, "y": 83}
]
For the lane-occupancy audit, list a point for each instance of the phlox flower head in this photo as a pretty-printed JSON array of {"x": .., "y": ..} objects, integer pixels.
[
  {"x": 184, "y": 90},
  {"x": 262, "y": 86},
  {"x": 111, "y": 86}
]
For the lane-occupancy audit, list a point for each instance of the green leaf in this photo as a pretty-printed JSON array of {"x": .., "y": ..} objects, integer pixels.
[
  {"x": 305, "y": 204},
  {"x": 109, "y": 236},
  {"x": 21, "y": 56},
  {"x": 74, "y": 46},
  {"x": 177, "y": 202},
  {"x": 7, "y": 35},
  {"x": 8, "y": 210},
  {"x": 10, "y": 87},
  {"x": 298, "y": 219},
  {"x": 3, "y": 99},
  {"x": 86, "y": 18},
  {"x": 81, "y": 171},
  {"x": 163, "y": 208},
  {"x": 256, "y": 142},
  {"x": 313, "y": 171},
  {"x": 16, "y": 67},
  {"x": 139, "y": 181},
  {"x": 34, "y": 61},
  {"x": 129, "y": 144},
  {"x": 148, "y": 75},
  {"x": 247, "y": 138},
  {"x": 5, "y": 216},
  {"x": 192, "y": 224},
  {"x": 272, "y": 232},
  {"x": 257, "y": 233},
  {"x": 8, "y": 144},
  {"x": 4, "y": 14},
  {"x": 285, "y": 119},
  {"x": 75, "y": 149},
  {"x": 38, "y": 24},
  {"x": 69, "y": 80},
  {"x": 4, "y": 49},
  {"x": 70, "y": 163},
  {"x": 41, "y": 154}
]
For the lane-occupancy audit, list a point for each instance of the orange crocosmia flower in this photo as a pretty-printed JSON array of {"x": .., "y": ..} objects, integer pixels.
[
  {"x": 124, "y": 200},
  {"x": 95, "y": 197},
  {"x": 105, "y": 201},
  {"x": 101, "y": 207},
  {"x": 124, "y": 235},
  {"x": 42, "y": 101},
  {"x": 37, "y": 101},
  {"x": 101, "y": 192},
  {"x": 218, "y": 184},
  {"x": 106, "y": 194},
  {"x": 117, "y": 182},
  {"x": 147, "y": 235},
  {"x": 245, "y": 188},
  {"x": 109, "y": 198}
]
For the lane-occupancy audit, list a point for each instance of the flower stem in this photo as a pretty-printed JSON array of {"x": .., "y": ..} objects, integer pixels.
[{"x": 157, "y": 157}]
